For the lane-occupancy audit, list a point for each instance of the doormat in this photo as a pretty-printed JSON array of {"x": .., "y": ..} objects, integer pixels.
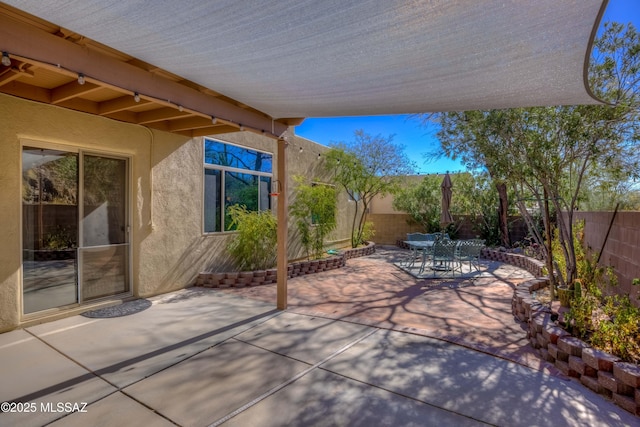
[{"x": 124, "y": 309}]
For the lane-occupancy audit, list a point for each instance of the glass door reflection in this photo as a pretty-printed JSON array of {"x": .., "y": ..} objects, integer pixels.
[
  {"x": 104, "y": 254},
  {"x": 50, "y": 228}
]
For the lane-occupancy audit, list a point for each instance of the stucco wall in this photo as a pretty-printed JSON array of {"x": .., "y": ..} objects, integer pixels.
[
  {"x": 29, "y": 121},
  {"x": 168, "y": 245},
  {"x": 310, "y": 162},
  {"x": 384, "y": 204}
]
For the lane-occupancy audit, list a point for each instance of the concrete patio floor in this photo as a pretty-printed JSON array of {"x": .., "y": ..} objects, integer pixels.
[{"x": 359, "y": 346}]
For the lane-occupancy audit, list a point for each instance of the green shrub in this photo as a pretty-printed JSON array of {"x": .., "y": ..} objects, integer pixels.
[
  {"x": 254, "y": 246},
  {"x": 368, "y": 231},
  {"x": 617, "y": 332},
  {"x": 314, "y": 211}
]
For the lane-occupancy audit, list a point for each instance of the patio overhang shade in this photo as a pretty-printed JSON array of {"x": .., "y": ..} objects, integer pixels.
[{"x": 309, "y": 58}]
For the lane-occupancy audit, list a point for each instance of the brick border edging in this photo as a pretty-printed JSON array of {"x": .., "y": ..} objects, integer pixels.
[
  {"x": 597, "y": 370},
  {"x": 294, "y": 269}
]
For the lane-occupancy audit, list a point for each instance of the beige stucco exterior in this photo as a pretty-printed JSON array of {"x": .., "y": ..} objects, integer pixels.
[{"x": 168, "y": 245}]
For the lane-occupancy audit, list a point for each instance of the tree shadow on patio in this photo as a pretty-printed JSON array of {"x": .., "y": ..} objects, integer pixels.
[{"x": 475, "y": 312}]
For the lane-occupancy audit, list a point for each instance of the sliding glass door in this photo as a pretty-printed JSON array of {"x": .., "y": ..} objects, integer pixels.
[
  {"x": 104, "y": 252},
  {"x": 75, "y": 227}
]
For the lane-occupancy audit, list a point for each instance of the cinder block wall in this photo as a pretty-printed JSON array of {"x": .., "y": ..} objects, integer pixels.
[
  {"x": 392, "y": 227},
  {"x": 622, "y": 248}
]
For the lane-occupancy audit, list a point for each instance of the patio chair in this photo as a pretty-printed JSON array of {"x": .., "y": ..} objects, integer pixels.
[
  {"x": 416, "y": 252},
  {"x": 427, "y": 251},
  {"x": 469, "y": 251},
  {"x": 443, "y": 256}
]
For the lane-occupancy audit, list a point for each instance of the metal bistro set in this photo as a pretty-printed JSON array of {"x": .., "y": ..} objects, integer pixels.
[{"x": 437, "y": 252}]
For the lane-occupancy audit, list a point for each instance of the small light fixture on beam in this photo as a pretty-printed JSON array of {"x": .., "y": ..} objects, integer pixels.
[
  {"x": 81, "y": 79},
  {"x": 214, "y": 120},
  {"x": 241, "y": 127},
  {"x": 6, "y": 61},
  {"x": 180, "y": 108},
  {"x": 136, "y": 97}
]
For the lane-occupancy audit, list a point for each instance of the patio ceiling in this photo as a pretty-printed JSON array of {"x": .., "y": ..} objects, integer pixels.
[
  {"x": 289, "y": 59},
  {"x": 47, "y": 60}
]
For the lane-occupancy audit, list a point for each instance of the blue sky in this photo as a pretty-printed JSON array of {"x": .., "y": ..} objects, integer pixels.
[{"x": 407, "y": 130}]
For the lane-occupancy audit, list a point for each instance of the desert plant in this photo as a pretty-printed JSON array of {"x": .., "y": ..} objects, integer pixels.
[
  {"x": 618, "y": 331},
  {"x": 583, "y": 306},
  {"x": 314, "y": 211},
  {"x": 608, "y": 320},
  {"x": 366, "y": 167},
  {"x": 368, "y": 232},
  {"x": 253, "y": 246}
]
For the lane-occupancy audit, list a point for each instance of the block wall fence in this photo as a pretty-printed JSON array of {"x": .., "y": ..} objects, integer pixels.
[
  {"x": 621, "y": 249},
  {"x": 393, "y": 227}
]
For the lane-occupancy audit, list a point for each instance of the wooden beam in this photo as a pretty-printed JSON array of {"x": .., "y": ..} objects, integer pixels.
[
  {"x": 160, "y": 114},
  {"x": 163, "y": 126},
  {"x": 190, "y": 123},
  {"x": 15, "y": 71},
  {"x": 80, "y": 104},
  {"x": 291, "y": 121},
  {"x": 122, "y": 103},
  {"x": 22, "y": 90},
  {"x": 282, "y": 259},
  {"x": 28, "y": 41},
  {"x": 9, "y": 75},
  {"x": 123, "y": 116},
  {"x": 71, "y": 90},
  {"x": 214, "y": 130}
]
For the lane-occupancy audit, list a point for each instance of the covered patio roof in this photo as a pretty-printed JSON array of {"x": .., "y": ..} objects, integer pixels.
[{"x": 285, "y": 60}]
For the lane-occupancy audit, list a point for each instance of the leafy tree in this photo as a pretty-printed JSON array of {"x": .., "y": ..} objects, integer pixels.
[
  {"x": 462, "y": 136},
  {"x": 366, "y": 167},
  {"x": 421, "y": 201},
  {"x": 473, "y": 196},
  {"x": 547, "y": 153},
  {"x": 478, "y": 197},
  {"x": 602, "y": 192},
  {"x": 314, "y": 210}
]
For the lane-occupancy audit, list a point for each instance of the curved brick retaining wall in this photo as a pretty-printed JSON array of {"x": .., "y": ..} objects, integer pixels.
[
  {"x": 597, "y": 370},
  {"x": 295, "y": 269}
]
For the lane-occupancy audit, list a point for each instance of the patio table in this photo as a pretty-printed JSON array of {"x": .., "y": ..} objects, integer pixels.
[
  {"x": 416, "y": 246},
  {"x": 420, "y": 244}
]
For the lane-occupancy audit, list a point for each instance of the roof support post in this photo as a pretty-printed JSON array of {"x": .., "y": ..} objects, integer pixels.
[{"x": 282, "y": 261}]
